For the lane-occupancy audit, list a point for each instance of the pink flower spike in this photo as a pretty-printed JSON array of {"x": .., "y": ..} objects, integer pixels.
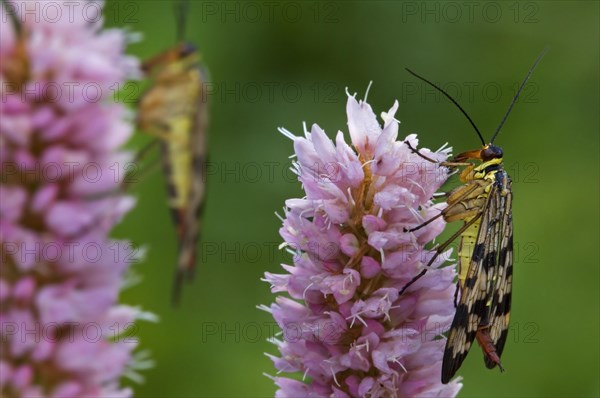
[
  {"x": 61, "y": 274},
  {"x": 346, "y": 329}
]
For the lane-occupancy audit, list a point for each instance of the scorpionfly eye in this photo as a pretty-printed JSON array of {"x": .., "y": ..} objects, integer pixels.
[
  {"x": 491, "y": 152},
  {"x": 186, "y": 49}
]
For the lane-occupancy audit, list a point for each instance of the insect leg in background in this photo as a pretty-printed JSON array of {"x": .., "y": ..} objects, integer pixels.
[
  {"x": 174, "y": 109},
  {"x": 484, "y": 204}
]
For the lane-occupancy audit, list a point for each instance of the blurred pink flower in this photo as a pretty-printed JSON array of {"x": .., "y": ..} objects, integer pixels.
[
  {"x": 60, "y": 137},
  {"x": 345, "y": 328}
]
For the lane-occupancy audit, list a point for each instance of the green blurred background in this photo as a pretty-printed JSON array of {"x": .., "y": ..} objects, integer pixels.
[{"x": 279, "y": 64}]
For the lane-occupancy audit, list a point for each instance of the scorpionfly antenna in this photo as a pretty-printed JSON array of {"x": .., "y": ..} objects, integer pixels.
[
  {"x": 539, "y": 58},
  {"x": 181, "y": 10},
  {"x": 451, "y": 99}
]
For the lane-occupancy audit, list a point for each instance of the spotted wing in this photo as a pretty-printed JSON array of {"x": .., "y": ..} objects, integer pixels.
[
  {"x": 501, "y": 292},
  {"x": 473, "y": 307}
]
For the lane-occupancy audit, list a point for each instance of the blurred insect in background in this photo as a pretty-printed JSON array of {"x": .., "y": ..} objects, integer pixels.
[
  {"x": 174, "y": 110},
  {"x": 484, "y": 204},
  {"x": 16, "y": 67}
]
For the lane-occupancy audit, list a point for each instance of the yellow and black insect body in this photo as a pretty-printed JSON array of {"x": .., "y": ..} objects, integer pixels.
[
  {"x": 484, "y": 204},
  {"x": 174, "y": 110},
  {"x": 485, "y": 261}
]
